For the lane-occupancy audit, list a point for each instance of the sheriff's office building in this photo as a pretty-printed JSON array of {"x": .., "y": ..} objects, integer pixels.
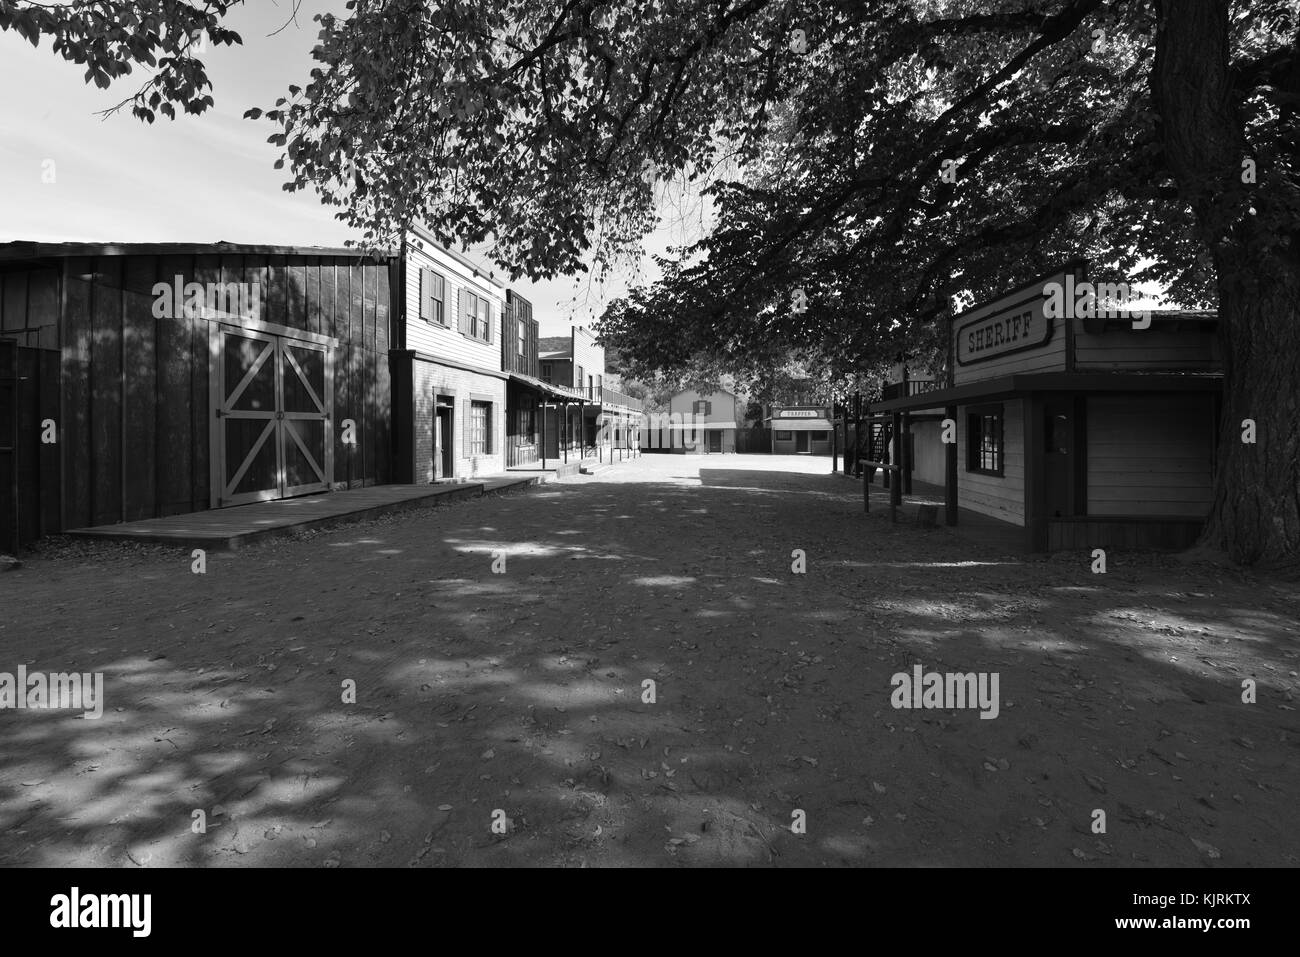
[
  {"x": 139, "y": 380},
  {"x": 801, "y": 430},
  {"x": 1081, "y": 429},
  {"x": 449, "y": 391}
]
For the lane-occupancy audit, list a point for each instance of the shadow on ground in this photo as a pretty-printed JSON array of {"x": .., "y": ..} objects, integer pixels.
[{"x": 525, "y": 692}]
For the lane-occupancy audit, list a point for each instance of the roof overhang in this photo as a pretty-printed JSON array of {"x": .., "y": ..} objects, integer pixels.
[
  {"x": 799, "y": 425},
  {"x": 546, "y": 387},
  {"x": 692, "y": 426},
  {"x": 1005, "y": 386}
]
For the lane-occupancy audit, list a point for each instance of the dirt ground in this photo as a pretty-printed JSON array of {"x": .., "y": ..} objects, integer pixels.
[{"x": 523, "y": 692}]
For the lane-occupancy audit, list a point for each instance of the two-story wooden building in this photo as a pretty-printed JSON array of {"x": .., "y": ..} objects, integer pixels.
[
  {"x": 695, "y": 422},
  {"x": 590, "y": 415},
  {"x": 1090, "y": 428},
  {"x": 449, "y": 389}
]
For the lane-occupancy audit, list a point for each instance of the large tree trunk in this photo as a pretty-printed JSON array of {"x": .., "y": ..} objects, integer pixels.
[{"x": 1256, "y": 512}]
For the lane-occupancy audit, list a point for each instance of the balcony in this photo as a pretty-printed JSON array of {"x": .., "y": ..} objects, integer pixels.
[
  {"x": 899, "y": 390},
  {"x": 612, "y": 397}
]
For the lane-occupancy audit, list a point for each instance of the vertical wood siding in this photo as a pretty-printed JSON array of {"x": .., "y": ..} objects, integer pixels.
[{"x": 134, "y": 436}]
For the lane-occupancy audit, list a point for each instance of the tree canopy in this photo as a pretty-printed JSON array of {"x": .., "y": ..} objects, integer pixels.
[{"x": 873, "y": 166}]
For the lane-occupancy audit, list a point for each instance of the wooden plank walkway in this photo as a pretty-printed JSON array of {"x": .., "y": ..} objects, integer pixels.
[{"x": 227, "y": 528}]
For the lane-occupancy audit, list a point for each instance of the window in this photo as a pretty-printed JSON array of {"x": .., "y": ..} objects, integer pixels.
[
  {"x": 546, "y": 372},
  {"x": 478, "y": 317},
  {"x": 521, "y": 338},
  {"x": 433, "y": 295},
  {"x": 480, "y": 428},
  {"x": 784, "y": 435},
  {"x": 702, "y": 408},
  {"x": 984, "y": 440},
  {"x": 579, "y": 380},
  {"x": 818, "y": 436},
  {"x": 525, "y": 426}
]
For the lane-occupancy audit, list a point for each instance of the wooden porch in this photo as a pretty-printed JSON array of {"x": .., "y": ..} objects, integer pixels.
[{"x": 226, "y": 528}]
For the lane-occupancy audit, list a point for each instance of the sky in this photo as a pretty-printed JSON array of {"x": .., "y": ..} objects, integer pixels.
[{"x": 198, "y": 179}]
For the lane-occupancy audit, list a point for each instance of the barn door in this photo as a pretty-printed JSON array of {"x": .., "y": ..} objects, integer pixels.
[
  {"x": 307, "y": 392},
  {"x": 273, "y": 397}
]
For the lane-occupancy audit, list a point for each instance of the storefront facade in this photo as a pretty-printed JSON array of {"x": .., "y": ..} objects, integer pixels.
[
  {"x": 1083, "y": 430},
  {"x": 449, "y": 390},
  {"x": 801, "y": 430}
]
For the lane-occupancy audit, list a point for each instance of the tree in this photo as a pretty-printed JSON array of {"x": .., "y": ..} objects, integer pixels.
[
  {"x": 113, "y": 37},
  {"x": 880, "y": 162}
]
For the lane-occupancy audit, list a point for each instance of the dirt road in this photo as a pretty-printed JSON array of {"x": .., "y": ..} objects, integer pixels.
[{"x": 525, "y": 692}]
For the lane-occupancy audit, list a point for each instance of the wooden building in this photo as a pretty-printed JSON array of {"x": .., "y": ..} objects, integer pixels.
[
  {"x": 590, "y": 417},
  {"x": 449, "y": 390},
  {"x": 696, "y": 422},
  {"x": 1084, "y": 430},
  {"x": 151, "y": 380},
  {"x": 801, "y": 430}
]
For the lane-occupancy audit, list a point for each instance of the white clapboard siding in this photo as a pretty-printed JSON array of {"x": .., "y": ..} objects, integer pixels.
[
  {"x": 447, "y": 342},
  {"x": 1125, "y": 349},
  {"x": 589, "y": 356},
  {"x": 723, "y": 405},
  {"x": 1150, "y": 455},
  {"x": 1002, "y": 496}
]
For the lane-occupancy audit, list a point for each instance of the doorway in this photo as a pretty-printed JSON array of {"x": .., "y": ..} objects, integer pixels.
[
  {"x": 443, "y": 437},
  {"x": 273, "y": 398},
  {"x": 1058, "y": 457},
  {"x": 801, "y": 441},
  {"x": 715, "y": 440}
]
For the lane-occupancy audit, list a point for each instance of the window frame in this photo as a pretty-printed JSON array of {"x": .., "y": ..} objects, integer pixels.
[
  {"x": 441, "y": 318},
  {"x": 478, "y": 309},
  {"x": 480, "y": 439},
  {"x": 977, "y": 454}
]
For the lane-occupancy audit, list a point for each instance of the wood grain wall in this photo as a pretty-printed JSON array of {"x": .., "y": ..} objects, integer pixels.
[{"x": 134, "y": 429}]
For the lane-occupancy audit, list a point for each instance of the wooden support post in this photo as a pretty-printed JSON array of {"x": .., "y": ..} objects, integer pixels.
[
  {"x": 857, "y": 436},
  {"x": 905, "y": 452},
  {"x": 950, "y": 470},
  {"x": 1035, "y": 489},
  {"x": 543, "y": 407},
  {"x": 835, "y": 440},
  {"x": 895, "y": 489}
]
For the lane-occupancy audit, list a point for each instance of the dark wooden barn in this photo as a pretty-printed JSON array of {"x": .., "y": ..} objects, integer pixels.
[{"x": 148, "y": 380}]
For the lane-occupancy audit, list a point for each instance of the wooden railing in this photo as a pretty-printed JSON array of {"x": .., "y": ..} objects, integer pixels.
[{"x": 899, "y": 390}]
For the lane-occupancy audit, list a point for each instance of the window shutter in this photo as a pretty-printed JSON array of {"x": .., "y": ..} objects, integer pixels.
[
  {"x": 467, "y": 429},
  {"x": 462, "y": 300},
  {"x": 426, "y": 292},
  {"x": 489, "y": 322}
]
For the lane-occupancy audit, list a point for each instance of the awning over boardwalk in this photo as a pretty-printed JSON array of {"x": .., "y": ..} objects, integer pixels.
[
  {"x": 553, "y": 391},
  {"x": 1021, "y": 383},
  {"x": 799, "y": 425}
]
